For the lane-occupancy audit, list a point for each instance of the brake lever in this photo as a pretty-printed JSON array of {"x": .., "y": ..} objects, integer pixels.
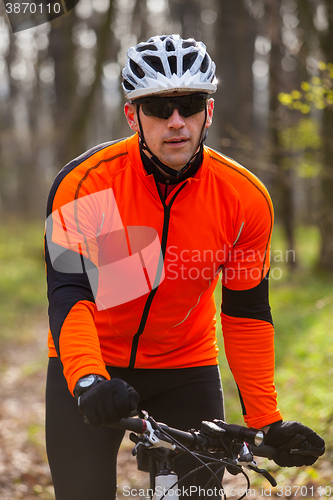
[{"x": 264, "y": 473}]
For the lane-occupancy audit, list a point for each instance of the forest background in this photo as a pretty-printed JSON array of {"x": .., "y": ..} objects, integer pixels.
[{"x": 60, "y": 94}]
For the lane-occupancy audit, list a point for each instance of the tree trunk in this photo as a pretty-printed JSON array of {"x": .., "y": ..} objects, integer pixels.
[
  {"x": 234, "y": 55},
  {"x": 187, "y": 12},
  {"x": 282, "y": 191},
  {"x": 326, "y": 213},
  {"x": 72, "y": 139}
]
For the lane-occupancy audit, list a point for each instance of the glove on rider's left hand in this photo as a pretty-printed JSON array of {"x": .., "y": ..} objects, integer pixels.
[{"x": 296, "y": 444}]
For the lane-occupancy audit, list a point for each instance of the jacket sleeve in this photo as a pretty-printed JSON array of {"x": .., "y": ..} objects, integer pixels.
[
  {"x": 249, "y": 346},
  {"x": 246, "y": 318},
  {"x": 71, "y": 318}
]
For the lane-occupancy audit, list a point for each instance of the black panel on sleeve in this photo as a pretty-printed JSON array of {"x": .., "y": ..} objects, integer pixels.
[
  {"x": 252, "y": 303},
  {"x": 65, "y": 289}
]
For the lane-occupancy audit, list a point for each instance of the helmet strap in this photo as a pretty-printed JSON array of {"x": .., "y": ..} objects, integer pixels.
[{"x": 176, "y": 174}]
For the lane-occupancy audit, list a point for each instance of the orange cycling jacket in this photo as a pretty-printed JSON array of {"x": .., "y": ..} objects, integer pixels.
[{"x": 131, "y": 275}]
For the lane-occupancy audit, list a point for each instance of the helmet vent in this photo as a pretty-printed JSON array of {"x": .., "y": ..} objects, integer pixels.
[
  {"x": 173, "y": 64},
  {"x": 189, "y": 60},
  {"x": 136, "y": 69},
  {"x": 128, "y": 86},
  {"x": 169, "y": 46},
  {"x": 189, "y": 44},
  {"x": 142, "y": 48},
  {"x": 155, "y": 63},
  {"x": 205, "y": 64}
]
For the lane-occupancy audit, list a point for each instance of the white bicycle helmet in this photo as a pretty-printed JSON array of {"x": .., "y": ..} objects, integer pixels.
[{"x": 168, "y": 63}]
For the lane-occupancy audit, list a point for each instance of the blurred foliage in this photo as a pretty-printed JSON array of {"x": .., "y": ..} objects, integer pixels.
[
  {"x": 316, "y": 93},
  {"x": 22, "y": 275},
  {"x": 305, "y": 134},
  {"x": 302, "y": 144}
]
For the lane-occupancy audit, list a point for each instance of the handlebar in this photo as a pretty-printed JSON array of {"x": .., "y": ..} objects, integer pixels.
[
  {"x": 197, "y": 440},
  {"x": 238, "y": 443},
  {"x": 139, "y": 426}
]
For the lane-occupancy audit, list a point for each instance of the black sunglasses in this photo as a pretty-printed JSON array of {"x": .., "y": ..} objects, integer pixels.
[{"x": 163, "y": 107}]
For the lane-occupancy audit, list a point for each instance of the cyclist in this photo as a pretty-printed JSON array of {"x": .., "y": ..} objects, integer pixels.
[{"x": 138, "y": 233}]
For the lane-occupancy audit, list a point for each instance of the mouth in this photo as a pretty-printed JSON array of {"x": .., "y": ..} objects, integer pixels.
[{"x": 177, "y": 141}]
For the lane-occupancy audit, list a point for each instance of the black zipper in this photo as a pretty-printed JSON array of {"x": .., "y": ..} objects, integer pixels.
[{"x": 144, "y": 317}]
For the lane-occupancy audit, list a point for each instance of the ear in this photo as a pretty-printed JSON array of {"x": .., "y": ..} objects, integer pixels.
[
  {"x": 131, "y": 116},
  {"x": 210, "y": 112}
]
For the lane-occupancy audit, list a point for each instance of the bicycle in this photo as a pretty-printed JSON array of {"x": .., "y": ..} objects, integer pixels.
[{"x": 161, "y": 443}]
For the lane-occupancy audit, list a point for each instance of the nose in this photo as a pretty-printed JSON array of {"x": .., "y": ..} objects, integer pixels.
[{"x": 176, "y": 120}]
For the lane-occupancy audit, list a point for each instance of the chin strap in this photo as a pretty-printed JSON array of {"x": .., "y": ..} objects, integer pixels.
[{"x": 177, "y": 174}]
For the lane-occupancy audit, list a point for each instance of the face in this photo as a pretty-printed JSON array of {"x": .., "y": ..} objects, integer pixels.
[{"x": 173, "y": 140}]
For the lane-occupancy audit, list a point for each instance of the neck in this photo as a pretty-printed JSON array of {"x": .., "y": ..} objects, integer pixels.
[{"x": 163, "y": 177}]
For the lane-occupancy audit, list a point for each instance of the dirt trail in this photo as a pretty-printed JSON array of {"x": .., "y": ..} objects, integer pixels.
[{"x": 23, "y": 469}]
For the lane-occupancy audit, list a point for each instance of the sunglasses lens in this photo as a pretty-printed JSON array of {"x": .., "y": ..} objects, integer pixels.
[
  {"x": 163, "y": 107},
  {"x": 157, "y": 109},
  {"x": 192, "y": 105}
]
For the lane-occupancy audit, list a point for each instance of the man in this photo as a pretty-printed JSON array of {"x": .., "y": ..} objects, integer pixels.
[{"x": 138, "y": 231}]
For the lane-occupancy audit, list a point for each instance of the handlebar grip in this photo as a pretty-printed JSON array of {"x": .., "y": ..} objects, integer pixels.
[
  {"x": 130, "y": 424},
  {"x": 264, "y": 451}
]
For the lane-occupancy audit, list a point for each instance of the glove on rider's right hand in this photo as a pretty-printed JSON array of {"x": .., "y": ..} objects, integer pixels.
[
  {"x": 296, "y": 444},
  {"x": 108, "y": 402}
]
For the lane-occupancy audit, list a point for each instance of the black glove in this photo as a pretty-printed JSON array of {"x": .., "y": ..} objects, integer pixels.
[
  {"x": 296, "y": 444},
  {"x": 108, "y": 402}
]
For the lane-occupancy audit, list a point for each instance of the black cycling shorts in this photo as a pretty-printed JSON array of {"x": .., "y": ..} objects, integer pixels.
[{"x": 83, "y": 458}]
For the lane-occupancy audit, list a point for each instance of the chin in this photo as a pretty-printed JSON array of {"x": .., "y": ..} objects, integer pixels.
[{"x": 176, "y": 166}]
